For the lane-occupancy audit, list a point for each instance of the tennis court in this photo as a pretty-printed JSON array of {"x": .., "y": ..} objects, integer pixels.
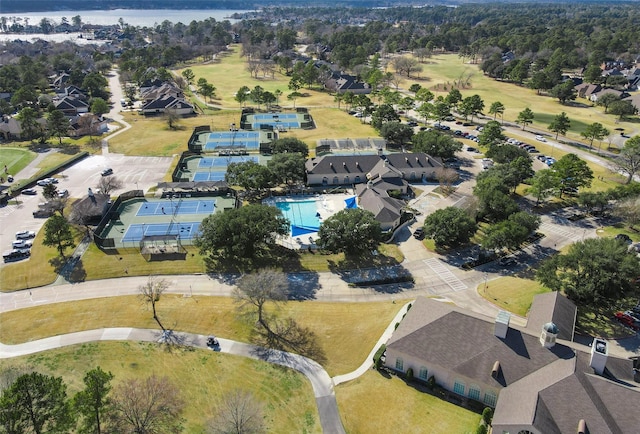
[
  {"x": 225, "y": 161},
  {"x": 279, "y": 121},
  {"x": 213, "y": 175},
  {"x": 232, "y": 140},
  {"x": 176, "y": 207},
  {"x": 186, "y": 230}
]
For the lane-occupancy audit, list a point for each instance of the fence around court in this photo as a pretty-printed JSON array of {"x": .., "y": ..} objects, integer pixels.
[{"x": 112, "y": 214}]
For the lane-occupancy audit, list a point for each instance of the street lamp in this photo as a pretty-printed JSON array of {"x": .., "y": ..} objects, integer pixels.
[{"x": 485, "y": 282}]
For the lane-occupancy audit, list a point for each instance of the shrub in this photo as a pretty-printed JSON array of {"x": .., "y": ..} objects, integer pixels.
[
  {"x": 482, "y": 429},
  {"x": 396, "y": 326},
  {"x": 487, "y": 415},
  {"x": 410, "y": 374},
  {"x": 379, "y": 353},
  {"x": 431, "y": 382}
]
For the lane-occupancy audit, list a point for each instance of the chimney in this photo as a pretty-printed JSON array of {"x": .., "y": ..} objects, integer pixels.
[
  {"x": 495, "y": 371},
  {"x": 599, "y": 354},
  {"x": 582, "y": 427},
  {"x": 549, "y": 334},
  {"x": 502, "y": 324}
]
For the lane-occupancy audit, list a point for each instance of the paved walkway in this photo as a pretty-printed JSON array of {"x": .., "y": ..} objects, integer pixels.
[{"x": 320, "y": 380}]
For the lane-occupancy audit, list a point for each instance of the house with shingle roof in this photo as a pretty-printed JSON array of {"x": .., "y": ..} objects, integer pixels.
[
  {"x": 166, "y": 103},
  {"x": 537, "y": 382},
  {"x": 70, "y": 105}
]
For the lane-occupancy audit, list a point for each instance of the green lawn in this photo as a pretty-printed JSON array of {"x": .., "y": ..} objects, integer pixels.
[
  {"x": 203, "y": 377},
  {"x": 376, "y": 404},
  {"x": 513, "y": 294},
  {"x": 15, "y": 159}
]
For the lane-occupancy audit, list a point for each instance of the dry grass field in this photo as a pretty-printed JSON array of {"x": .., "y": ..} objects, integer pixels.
[{"x": 203, "y": 377}]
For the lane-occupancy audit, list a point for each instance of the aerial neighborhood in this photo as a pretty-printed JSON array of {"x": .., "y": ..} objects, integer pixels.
[{"x": 321, "y": 219}]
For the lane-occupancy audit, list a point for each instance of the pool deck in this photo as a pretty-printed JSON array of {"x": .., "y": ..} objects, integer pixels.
[{"x": 327, "y": 205}]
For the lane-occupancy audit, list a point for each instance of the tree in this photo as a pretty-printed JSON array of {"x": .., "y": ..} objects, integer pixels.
[
  {"x": 622, "y": 109},
  {"x": 96, "y": 85},
  {"x": 150, "y": 293},
  {"x": 396, "y": 133},
  {"x": 525, "y": 117},
  {"x": 446, "y": 176},
  {"x": 606, "y": 100},
  {"x": 491, "y": 133},
  {"x": 453, "y": 98},
  {"x": 28, "y": 119},
  {"x": 99, "y": 107},
  {"x": 50, "y": 191},
  {"x": 560, "y": 124},
  {"x": 505, "y": 153},
  {"x": 450, "y": 226},
  {"x": 383, "y": 114},
  {"x": 628, "y": 210},
  {"x": 288, "y": 168},
  {"x": 596, "y": 270},
  {"x": 415, "y": 87},
  {"x": 594, "y": 131},
  {"x": 471, "y": 106},
  {"x": 239, "y": 413},
  {"x": 242, "y": 95},
  {"x": 172, "y": 118},
  {"x": 147, "y": 406},
  {"x": 512, "y": 232},
  {"x": 406, "y": 65},
  {"x": 424, "y": 95},
  {"x": 592, "y": 74},
  {"x": 572, "y": 172},
  {"x": 543, "y": 185},
  {"x": 352, "y": 231},
  {"x": 493, "y": 195},
  {"x": 108, "y": 184},
  {"x": 36, "y": 403},
  {"x": 241, "y": 232},
  {"x": 249, "y": 175},
  {"x": 258, "y": 289},
  {"x": 564, "y": 91},
  {"x": 496, "y": 108},
  {"x": 57, "y": 233},
  {"x": 188, "y": 75},
  {"x": 92, "y": 403},
  {"x": 290, "y": 144},
  {"x": 628, "y": 161},
  {"x": 436, "y": 144}
]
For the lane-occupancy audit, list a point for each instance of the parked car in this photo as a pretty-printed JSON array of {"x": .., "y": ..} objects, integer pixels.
[
  {"x": 22, "y": 244},
  {"x": 25, "y": 235},
  {"x": 15, "y": 254},
  {"x": 542, "y": 158},
  {"x": 507, "y": 260},
  {"x": 412, "y": 123},
  {"x": 471, "y": 149},
  {"x": 63, "y": 193},
  {"x": 624, "y": 238},
  {"x": 30, "y": 191},
  {"x": 418, "y": 234},
  {"x": 450, "y": 119},
  {"x": 107, "y": 172}
]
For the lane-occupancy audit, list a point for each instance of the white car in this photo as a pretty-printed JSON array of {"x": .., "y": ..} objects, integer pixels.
[
  {"x": 22, "y": 244},
  {"x": 25, "y": 235},
  {"x": 47, "y": 181},
  {"x": 63, "y": 193},
  {"x": 541, "y": 139}
]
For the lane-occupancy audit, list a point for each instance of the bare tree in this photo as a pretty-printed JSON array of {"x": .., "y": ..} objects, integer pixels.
[
  {"x": 239, "y": 413},
  {"x": 147, "y": 406},
  {"x": 107, "y": 184},
  {"x": 172, "y": 118},
  {"x": 406, "y": 65},
  {"x": 257, "y": 289},
  {"x": 150, "y": 293},
  {"x": 446, "y": 177},
  {"x": 628, "y": 210}
]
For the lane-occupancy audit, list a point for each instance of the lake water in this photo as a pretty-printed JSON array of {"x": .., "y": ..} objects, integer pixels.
[{"x": 133, "y": 17}]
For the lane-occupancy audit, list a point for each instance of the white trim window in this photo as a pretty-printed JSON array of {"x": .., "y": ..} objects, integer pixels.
[
  {"x": 400, "y": 364},
  {"x": 458, "y": 387},
  {"x": 423, "y": 374}
]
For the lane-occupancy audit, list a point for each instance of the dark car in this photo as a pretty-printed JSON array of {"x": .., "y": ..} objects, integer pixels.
[
  {"x": 507, "y": 260},
  {"x": 624, "y": 238},
  {"x": 418, "y": 234},
  {"x": 107, "y": 172},
  {"x": 30, "y": 191}
]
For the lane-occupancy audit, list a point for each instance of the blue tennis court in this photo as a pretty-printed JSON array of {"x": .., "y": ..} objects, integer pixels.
[
  {"x": 186, "y": 231},
  {"x": 213, "y": 175},
  {"x": 274, "y": 116},
  {"x": 225, "y": 161},
  {"x": 232, "y": 140},
  {"x": 176, "y": 207},
  {"x": 276, "y": 124}
]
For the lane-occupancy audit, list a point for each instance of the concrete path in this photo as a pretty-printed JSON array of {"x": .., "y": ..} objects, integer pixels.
[{"x": 320, "y": 380}]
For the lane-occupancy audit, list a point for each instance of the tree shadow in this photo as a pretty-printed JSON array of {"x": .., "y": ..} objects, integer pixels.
[
  {"x": 77, "y": 273},
  {"x": 303, "y": 286},
  {"x": 378, "y": 272},
  {"x": 287, "y": 335}
]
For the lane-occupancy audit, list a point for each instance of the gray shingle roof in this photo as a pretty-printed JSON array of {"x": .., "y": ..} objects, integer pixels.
[{"x": 555, "y": 308}]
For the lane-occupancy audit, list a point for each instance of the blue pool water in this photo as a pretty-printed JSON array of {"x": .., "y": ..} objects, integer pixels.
[{"x": 302, "y": 214}]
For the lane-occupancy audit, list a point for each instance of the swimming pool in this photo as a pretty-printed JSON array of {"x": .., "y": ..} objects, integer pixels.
[{"x": 302, "y": 215}]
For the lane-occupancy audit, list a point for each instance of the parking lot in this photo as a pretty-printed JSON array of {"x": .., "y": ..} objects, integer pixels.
[{"x": 134, "y": 172}]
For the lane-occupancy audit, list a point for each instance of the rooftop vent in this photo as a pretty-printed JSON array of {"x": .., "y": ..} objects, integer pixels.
[
  {"x": 495, "y": 371},
  {"x": 344, "y": 164},
  {"x": 502, "y": 324},
  {"x": 599, "y": 355},
  {"x": 549, "y": 334}
]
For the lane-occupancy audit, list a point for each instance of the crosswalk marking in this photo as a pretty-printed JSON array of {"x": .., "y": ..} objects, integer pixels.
[
  {"x": 445, "y": 274},
  {"x": 570, "y": 233}
]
